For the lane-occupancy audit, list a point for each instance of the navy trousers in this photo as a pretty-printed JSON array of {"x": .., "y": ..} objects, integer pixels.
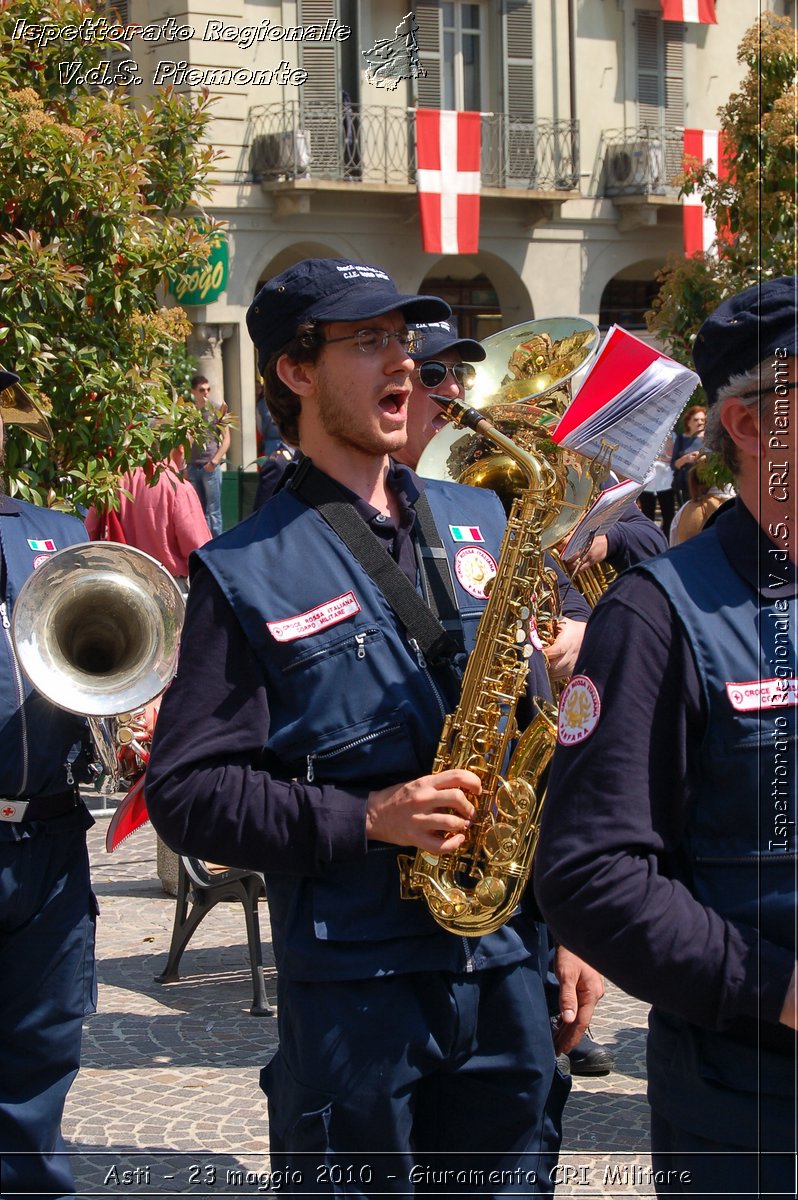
[
  {"x": 429, "y": 1083},
  {"x": 47, "y": 986},
  {"x": 688, "y": 1165}
]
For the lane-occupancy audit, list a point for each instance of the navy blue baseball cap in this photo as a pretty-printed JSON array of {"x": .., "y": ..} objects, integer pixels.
[
  {"x": 442, "y": 335},
  {"x": 328, "y": 289},
  {"x": 746, "y": 330}
]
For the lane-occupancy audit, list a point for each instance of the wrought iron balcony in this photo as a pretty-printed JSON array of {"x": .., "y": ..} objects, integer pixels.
[
  {"x": 375, "y": 145},
  {"x": 642, "y": 162}
]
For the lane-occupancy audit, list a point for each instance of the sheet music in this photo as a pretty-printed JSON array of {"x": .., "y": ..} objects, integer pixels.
[
  {"x": 601, "y": 516},
  {"x": 630, "y": 398}
]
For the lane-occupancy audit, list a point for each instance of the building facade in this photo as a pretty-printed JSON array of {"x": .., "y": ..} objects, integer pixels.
[{"x": 583, "y": 105}]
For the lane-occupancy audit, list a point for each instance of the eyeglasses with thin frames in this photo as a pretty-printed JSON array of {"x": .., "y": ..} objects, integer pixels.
[
  {"x": 432, "y": 374},
  {"x": 372, "y": 340}
]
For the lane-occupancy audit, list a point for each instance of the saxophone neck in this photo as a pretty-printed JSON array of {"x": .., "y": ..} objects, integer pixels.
[{"x": 540, "y": 475}]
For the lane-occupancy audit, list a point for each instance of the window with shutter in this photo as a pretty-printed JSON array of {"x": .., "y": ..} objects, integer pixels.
[
  {"x": 320, "y": 97},
  {"x": 660, "y": 84},
  {"x": 428, "y": 87},
  {"x": 451, "y": 49},
  {"x": 519, "y": 89}
]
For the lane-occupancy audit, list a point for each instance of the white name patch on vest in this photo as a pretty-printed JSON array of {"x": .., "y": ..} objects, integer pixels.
[
  {"x": 314, "y": 619},
  {"x": 762, "y": 693},
  {"x": 580, "y": 706}
]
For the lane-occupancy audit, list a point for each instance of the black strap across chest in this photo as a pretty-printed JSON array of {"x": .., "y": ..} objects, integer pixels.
[{"x": 437, "y": 640}]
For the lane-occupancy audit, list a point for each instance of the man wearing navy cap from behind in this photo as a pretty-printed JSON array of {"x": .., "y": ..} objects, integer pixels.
[
  {"x": 47, "y": 908},
  {"x": 409, "y": 1057},
  {"x": 668, "y": 849}
]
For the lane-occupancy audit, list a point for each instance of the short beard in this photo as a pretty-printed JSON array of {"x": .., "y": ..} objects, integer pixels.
[{"x": 335, "y": 415}]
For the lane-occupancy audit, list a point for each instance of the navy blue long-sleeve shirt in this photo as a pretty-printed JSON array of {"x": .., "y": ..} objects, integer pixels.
[
  {"x": 208, "y": 769},
  {"x": 616, "y": 811}
]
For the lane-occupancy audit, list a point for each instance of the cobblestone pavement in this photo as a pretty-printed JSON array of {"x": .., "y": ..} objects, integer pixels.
[{"x": 167, "y": 1100}]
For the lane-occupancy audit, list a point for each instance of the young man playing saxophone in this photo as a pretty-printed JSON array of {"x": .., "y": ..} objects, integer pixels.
[{"x": 408, "y": 1055}]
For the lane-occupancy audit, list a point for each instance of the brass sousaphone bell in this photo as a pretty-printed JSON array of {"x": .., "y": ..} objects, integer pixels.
[
  {"x": 523, "y": 387},
  {"x": 96, "y": 629}
]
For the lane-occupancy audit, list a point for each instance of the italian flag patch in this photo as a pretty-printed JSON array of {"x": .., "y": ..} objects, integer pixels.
[
  {"x": 41, "y": 544},
  {"x": 466, "y": 533}
]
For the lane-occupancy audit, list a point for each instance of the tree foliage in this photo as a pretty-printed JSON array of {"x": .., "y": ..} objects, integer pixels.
[
  {"x": 98, "y": 204},
  {"x": 755, "y": 207}
]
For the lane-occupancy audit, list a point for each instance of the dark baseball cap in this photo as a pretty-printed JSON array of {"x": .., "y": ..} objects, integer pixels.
[
  {"x": 328, "y": 289},
  {"x": 18, "y": 408},
  {"x": 442, "y": 335},
  {"x": 745, "y": 330}
]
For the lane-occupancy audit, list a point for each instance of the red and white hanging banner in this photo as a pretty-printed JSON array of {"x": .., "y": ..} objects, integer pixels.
[
  {"x": 695, "y": 12},
  {"x": 700, "y": 234},
  {"x": 447, "y": 178}
]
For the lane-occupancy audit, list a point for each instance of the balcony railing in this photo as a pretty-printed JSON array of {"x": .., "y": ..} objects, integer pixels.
[
  {"x": 305, "y": 140},
  {"x": 642, "y": 162}
]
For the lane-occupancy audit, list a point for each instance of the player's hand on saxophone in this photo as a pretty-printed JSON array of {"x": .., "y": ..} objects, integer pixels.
[{"x": 431, "y": 813}]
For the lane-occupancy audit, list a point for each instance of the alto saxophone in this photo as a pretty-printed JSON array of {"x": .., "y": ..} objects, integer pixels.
[{"x": 475, "y": 890}]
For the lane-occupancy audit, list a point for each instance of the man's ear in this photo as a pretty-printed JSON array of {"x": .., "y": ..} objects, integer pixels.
[
  {"x": 298, "y": 376},
  {"x": 742, "y": 423}
]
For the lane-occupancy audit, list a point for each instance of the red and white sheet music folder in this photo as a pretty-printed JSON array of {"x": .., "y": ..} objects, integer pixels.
[{"x": 631, "y": 398}]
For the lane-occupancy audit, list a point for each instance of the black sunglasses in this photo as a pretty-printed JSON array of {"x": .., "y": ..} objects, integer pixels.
[{"x": 432, "y": 374}]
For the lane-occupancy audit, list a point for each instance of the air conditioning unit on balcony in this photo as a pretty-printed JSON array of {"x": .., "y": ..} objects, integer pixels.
[
  {"x": 280, "y": 155},
  {"x": 634, "y": 167}
]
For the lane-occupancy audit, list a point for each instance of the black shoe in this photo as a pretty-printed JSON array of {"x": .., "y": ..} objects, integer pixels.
[
  {"x": 563, "y": 1064},
  {"x": 589, "y": 1058}
]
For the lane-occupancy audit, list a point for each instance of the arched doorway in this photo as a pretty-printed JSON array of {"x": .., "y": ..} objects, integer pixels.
[{"x": 473, "y": 301}]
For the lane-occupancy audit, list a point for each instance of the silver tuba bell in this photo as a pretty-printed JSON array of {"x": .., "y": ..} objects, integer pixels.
[{"x": 96, "y": 629}]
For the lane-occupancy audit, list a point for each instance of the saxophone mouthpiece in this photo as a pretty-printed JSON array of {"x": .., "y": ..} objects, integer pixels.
[{"x": 458, "y": 413}]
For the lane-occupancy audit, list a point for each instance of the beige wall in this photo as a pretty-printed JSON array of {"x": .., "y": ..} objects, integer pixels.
[{"x": 558, "y": 265}]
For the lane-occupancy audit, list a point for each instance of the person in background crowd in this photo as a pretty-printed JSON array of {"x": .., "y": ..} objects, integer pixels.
[
  {"x": 705, "y": 498},
  {"x": 668, "y": 844},
  {"x": 161, "y": 516},
  {"x": 204, "y": 468},
  {"x": 47, "y": 908},
  {"x": 268, "y": 440},
  {"x": 273, "y": 473},
  {"x": 687, "y": 447},
  {"x": 393, "y": 1031},
  {"x": 658, "y": 491}
]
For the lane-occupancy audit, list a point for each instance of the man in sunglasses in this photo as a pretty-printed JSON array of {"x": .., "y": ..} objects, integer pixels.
[
  {"x": 444, "y": 365},
  {"x": 306, "y": 753}
]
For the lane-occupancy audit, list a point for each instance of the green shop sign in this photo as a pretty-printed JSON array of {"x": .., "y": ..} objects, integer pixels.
[{"x": 206, "y": 282}]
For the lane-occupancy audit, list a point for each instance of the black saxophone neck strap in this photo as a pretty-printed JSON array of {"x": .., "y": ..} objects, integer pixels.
[{"x": 436, "y": 644}]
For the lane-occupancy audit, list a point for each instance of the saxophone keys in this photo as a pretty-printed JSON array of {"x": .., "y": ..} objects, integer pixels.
[{"x": 490, "y": 892}]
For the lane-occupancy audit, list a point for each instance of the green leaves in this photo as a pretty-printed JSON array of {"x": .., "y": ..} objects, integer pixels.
[{"x": 97, "y": 203}]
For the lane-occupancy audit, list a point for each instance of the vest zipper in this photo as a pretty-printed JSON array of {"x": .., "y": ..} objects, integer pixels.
[
  {"x": 422, "y": 662},
  {"x": 360, "y": 640},
  {"x": 310, "y": 773},
  {"x": 20, "y": 690}
]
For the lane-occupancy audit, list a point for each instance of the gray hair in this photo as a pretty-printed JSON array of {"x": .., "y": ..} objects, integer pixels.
[{"x": 750, "y": 389}]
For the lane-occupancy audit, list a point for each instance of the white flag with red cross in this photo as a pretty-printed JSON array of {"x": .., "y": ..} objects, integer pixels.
[
  {"x": 700, "y": 233},
  {"x": 696, "y": 12},
  {"x": 448, "y": 180}
]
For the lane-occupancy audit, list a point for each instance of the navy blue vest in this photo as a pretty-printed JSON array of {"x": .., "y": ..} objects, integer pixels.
[
  {"x": 36, "y": 738},
  {"x": 351, "y": 704},
  {"x": 741, "y": 844}
]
